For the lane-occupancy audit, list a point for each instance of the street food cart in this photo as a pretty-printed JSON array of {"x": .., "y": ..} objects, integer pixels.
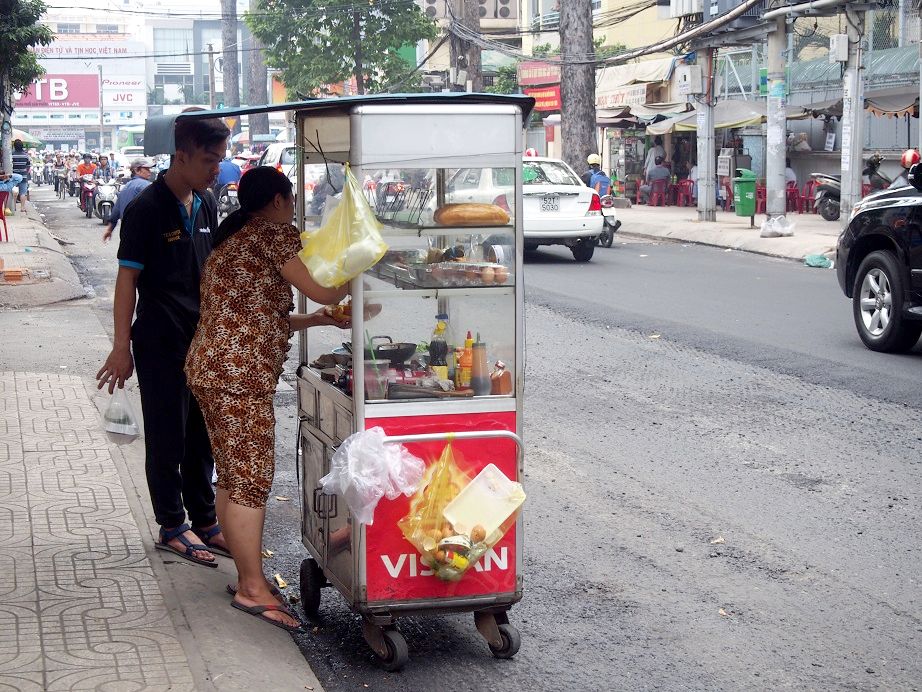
[
  {"x": 415, "y": 155},
  {"x": 447, "y": 300}
]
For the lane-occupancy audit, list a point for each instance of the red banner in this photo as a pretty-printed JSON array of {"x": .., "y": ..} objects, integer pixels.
[
  {"x": 62, "y": 91},
  {"x": 546, "y": 98},
  {"x": 532, "y": 72}
]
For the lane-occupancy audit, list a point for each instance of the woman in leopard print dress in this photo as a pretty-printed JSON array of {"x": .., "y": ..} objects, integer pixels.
[{"x": 235, "y": 361}]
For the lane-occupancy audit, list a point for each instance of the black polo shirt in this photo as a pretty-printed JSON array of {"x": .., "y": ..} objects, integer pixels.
[{"x": 170, "y": 249}]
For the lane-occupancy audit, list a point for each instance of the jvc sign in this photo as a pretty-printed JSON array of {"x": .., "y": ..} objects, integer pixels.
[{"x": 62, "y": 91}]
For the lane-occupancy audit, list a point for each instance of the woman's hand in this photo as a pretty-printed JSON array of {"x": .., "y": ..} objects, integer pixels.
[{"x": 318, "y": 318}]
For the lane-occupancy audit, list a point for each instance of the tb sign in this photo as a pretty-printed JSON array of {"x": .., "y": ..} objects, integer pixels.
[{"x": 62, "y": 91}]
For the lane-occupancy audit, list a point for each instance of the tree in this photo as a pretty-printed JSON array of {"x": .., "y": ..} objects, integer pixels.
[
  {"x": 230, "y": 67},
  {"x": 577, "y": 83},
  {"x": 257, "y": 81},
  {"x": 19, "y": 31},
  {"x": 317, "y": 43}
]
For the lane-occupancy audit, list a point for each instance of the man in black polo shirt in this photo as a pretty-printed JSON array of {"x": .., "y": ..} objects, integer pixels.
[
  {"x": 165, "y": 239},
  {"x": 22, "y": 165}
]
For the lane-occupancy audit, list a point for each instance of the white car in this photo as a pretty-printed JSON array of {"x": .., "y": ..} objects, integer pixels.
[{"x": 558, "y": 208}]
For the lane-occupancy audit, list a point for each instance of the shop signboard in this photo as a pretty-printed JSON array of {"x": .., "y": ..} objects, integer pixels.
[
  {"x": 535, "y": 72},
  {"x": 61, "y": 91},
  {"x": 630, "y": 95},
  {"x": 546, "y": 98},
  {"x": 57, "y": 134},
  {"x": 124, "y": 93}
]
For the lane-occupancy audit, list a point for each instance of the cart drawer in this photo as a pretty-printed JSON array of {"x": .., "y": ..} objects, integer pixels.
[
  {"x": 343, "y": 426},
  {"x": 307, "y": 399}
]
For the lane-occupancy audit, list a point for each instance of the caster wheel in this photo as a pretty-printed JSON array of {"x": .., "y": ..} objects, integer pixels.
[
  {"x": 512, "y": 640},
  {"x": 397, "y": 652},
  {"x": 311, "y": 581}
]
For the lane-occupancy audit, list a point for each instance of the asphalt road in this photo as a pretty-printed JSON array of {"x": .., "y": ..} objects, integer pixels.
[{"x": 723, "y": 487}]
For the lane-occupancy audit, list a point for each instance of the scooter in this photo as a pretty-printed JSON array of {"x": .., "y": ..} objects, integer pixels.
[
  {"x": 73, "y": 183},
  {"x": 828, "y": 193},
  {"x": 104, "y": 199},
  {"x": 227, "y": 199},
  {"x": 60, "y": 181},
  {"x": 87, "y": 190},
  {"x": 610, "y": 222}
]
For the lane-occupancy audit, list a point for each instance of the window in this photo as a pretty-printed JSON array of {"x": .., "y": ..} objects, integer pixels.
[
  {"x": 68, "y": 28},
  {"x": 74, "y": 116},
  {"x": 107, "y": 28},
  {"x": 171, "y": 42},
  {"x": 548, "y": 173}
]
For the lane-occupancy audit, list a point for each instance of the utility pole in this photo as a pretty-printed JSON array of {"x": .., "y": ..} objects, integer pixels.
[
  {"x": 212, "y": 96},
  {"x": 775, "y": 183},
  {"x": 707, "y": 156},
  {"x": 577, "y": 83},
  {"x": 357, "y": 42},
  {"x": 470, "y": 17},
  {"x": 101, "y": 109},
  {"x": 230, "y": 68},
  {"x": 853, "y": 114}
]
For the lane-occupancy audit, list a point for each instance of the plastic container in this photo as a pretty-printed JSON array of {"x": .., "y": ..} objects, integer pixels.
[
  {"x": 480, "y": 375},
  {"x": 744, "y": 192}
]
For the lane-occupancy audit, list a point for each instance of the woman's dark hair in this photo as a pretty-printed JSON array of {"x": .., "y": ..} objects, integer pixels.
[{"x": 256, "y": 189}]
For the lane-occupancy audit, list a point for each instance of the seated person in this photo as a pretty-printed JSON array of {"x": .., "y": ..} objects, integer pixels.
[
  {"x": 104, "y": 171},
  {"x": 87, "y": 167},
  {"x": 658, "y": 172}
]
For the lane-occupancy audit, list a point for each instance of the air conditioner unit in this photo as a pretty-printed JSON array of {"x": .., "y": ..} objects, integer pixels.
[
  {"x": 434, "y": 9},
  {"x": 688, "y": 79},
  {"x": 683, "y": 8},
  {"x": 498, "y": 9},
  {"x": 838, "y": 48}
]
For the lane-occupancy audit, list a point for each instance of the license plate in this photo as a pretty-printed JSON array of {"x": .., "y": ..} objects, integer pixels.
[
  {"x": 231, "y": 193},
  {"x": 550, "y": 204}
]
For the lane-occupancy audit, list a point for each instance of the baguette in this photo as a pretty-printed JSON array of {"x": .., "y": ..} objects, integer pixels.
[{"x": 471, "y": 215}]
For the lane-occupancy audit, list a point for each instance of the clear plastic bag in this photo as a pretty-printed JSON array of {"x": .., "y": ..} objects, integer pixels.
[
  {"x": 365, "y": 468},
  {"x": 119, "y": 417},
  {"x": 347, "y": 243},
  {"x": 483, "y": 510}
]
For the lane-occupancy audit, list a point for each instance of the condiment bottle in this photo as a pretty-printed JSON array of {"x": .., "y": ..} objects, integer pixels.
[
  {"x": 464, "y": 366},
  {"x": 500, "y": 379},
  {"x": 438, "y": 352},
  {"x": 480, "y": 380}
]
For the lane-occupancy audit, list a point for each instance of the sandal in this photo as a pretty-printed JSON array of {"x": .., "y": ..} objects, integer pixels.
[
  {"x": 274, "y": 590},
  {"x": 258, "y": 610},
  {"x": 167, "y": 535},
  {"x": 205, "y": 536}
]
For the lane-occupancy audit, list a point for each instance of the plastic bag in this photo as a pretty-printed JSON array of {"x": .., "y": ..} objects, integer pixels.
[
  {"x": 347, "y": 243},
  {"x": 119, "y": 417},
  {"x": 364, "y": 469},
  {"x": 777, "y": 227},
  {"x": 482, "y": 509}
]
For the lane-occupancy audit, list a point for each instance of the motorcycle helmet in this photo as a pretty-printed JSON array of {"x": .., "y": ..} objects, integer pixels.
[
  {"x": 531, "y": 151},
  {"x": 594, "y": 159},
  {"x": 910, "y": 158}
]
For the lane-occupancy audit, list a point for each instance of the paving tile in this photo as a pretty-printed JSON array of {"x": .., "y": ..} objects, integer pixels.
[{"x": 22, "y": 681}]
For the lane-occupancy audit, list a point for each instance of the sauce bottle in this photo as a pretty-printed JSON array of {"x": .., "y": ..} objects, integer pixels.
[
  {"x": 466, "y": 363},
  {"x": 438, "y": 352},
  {"x": 480, "y": 378},
  {"x": 500, "y": 379}
]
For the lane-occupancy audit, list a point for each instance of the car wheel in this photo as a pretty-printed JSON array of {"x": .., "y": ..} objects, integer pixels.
[
  {"x": 877, "y": 305},
  {"x": 582, "y": 251},
  {"x": 829, "y": 209}
]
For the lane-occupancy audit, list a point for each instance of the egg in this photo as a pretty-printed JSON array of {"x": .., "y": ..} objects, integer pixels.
[
  {"x": 472, "y": 275},
  {"x": 500, "y": 274},
  {"x": 478, "y": 534},
  {"x": 487, "y": 275}
]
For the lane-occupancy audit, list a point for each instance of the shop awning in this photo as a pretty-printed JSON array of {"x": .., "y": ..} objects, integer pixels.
[
  {"x": 668, "y": 109},
  {"x": 615, "y": 117},
  {"x": 893, "y": 103},
  {"x": 659, "y": 70},
  {"x": 727, "y": 114}
]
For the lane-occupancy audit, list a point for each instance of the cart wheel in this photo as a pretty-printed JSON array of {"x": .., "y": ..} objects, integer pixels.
[
  {"x": 397, "y": 652},
  {"x": 512, "y": 640},
  {"x": 311, "y": 582}
]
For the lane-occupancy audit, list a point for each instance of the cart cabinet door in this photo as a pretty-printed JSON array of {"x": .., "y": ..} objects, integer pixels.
[
  {"x": 314, "y": 503},
  {"x": 393, "y": 570}
]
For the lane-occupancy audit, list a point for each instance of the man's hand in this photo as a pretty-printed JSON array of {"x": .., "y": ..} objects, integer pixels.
[
  {"x": 118, "y": 367},
  {"x": 107, "y": 234}
]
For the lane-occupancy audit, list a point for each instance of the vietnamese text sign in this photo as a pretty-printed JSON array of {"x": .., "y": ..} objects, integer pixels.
[
  {"x": 546, "y": 98},
  {"x": 632, "y": 95},
  {"x": 62, "y": 91},
  {"x": 534, "y": 72}
]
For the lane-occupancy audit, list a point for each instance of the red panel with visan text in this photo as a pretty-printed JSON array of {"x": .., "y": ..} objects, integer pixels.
[{"x": 393, "y": 569}]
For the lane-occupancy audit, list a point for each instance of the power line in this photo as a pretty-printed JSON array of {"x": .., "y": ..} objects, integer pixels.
[{"x": 318, "y": 11}]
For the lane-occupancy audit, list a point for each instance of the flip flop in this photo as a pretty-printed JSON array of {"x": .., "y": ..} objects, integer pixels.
[
  {"x": 205, "y": 536},
  {"x": 169, "y": 535},
  {"x": 258, "y": 610},
  {"x": 272, "y": 589}
]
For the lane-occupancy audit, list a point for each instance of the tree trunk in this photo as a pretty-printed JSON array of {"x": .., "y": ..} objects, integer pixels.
[
  {"x": 6, "y": 125},
  {"x": 359, "y": 70},
  {"x": 231, "y": 71},
  {"x": 257, "y": 84},
  {"x": 577, "y": 84},
  {"x": 471, "y": 19}
]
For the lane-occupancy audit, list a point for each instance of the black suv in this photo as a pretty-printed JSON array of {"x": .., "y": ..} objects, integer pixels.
[{"x": 879, "y": 266}]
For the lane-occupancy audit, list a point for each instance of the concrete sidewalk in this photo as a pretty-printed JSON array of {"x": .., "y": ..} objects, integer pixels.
[
  {"x": 49, "y": 276},
  {"x": 812, "y": 234}
]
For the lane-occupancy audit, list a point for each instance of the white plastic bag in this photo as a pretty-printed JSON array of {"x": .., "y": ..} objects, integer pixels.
[
  {"x": 119, "y": 417},
  {"x": 364, "y": 469}
]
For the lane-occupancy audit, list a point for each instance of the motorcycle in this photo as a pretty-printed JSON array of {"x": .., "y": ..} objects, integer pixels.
[
  {"x": 60, "y": 181},
  {"x": 87, "y": 191},
  {"x": 104, "y": 199},
  {"x": 48, "y": 173},
  {"x": 227, "y": 199},
  {"x": 73, "y": 184},
  {"x": 828, "y": 193},
  {"x": 610, "y": 222}
]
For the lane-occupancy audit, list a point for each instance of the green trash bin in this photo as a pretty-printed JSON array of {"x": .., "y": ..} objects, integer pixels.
[{"x": 744, "y": 192}]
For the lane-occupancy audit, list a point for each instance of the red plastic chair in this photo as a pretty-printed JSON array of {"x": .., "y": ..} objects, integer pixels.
[
  {"x": 806, "y": 199},
  {"x": 728, "y": 199},
  {"x": 792, "y": 197},
  {"x": 658, "y": 194},
  {"x": 685, "y": 193},
  {"x": 761, "y": 198},
  {"x": 6, "y": 232}
]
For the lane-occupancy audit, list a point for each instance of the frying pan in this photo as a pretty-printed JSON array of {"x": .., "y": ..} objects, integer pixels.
[{"x": 397, "y": 353}]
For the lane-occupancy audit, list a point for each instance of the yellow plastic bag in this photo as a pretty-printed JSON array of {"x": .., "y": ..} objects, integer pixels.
[{"x": 348, "y": 243}]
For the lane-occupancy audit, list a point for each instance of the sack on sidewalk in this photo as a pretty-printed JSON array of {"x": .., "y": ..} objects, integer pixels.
[{"x": 119, "y": 417}]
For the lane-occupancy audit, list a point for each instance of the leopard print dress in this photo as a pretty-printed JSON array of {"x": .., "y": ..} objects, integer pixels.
[{"x": 238, "y": 352}]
